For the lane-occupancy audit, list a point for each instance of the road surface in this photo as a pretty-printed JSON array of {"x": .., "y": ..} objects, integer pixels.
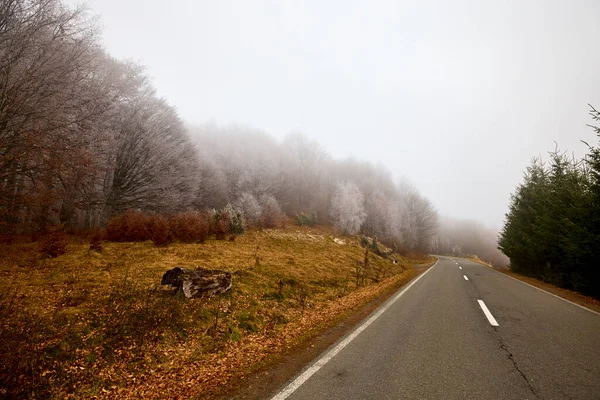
[{"x": 435, "y": 341}]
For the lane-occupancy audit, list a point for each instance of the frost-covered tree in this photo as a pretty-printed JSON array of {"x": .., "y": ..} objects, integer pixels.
[
  {"x": 378, "y": 222},
  {"x": 250, "y": 208},
  {"x": 347, "y": 208},
  {"x": 305, "y": 174}
]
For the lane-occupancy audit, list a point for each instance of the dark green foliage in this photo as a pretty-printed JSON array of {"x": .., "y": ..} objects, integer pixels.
[
  {"x": 220, "y": 224},
  {"x": 364, "y": 241},
  {"x": 373, "y": 246},
  {"x": 236, "y": 222},
  {"x": 309, "y": 219},
  {"x": 552, "y": 230}
]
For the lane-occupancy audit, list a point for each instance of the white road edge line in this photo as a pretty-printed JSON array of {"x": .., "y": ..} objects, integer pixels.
[
  {"x": 296, "y": 383},
  {"x": 487, "y": 313},
  {"x": 466, "y": 279},
  {"x": 541, "y": 290},
  {"x": 551, "y": 294}
]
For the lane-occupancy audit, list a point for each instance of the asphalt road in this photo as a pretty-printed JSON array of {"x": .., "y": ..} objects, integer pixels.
[{"x": 435, "y": 342}]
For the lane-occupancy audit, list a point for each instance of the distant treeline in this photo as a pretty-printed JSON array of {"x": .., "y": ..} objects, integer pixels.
[
  {"x": 467, "y": 238},
  {"x": 85, "y": 138},
  {"x": 552, "y": 231}
]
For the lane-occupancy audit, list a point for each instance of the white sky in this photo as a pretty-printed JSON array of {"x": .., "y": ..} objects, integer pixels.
[{"x": 455, "y": 95}]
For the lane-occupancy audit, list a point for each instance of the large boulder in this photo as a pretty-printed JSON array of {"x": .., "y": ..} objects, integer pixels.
[{"x": 197, "y": 282}]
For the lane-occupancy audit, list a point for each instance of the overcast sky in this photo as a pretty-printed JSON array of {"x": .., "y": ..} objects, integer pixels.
[{"x": 455, "y": 95}]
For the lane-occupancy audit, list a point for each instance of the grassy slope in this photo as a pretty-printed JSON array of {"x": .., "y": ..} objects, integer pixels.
[
  {"x": 99, "y": 324},
  {"x": 478, "y": 260}
]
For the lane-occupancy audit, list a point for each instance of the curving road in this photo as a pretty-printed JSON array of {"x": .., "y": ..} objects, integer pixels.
[{"x": 435, "y": 341}]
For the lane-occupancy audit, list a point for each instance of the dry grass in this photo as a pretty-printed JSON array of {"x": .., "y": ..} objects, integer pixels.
[
  {"x": 97, "y": 323},
  {"x": 479, "y": 261}
]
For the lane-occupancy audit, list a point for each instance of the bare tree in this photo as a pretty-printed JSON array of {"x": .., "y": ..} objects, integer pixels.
[
  {"x": 154, "y": 161},
  {"x": 48, "y": 99}
]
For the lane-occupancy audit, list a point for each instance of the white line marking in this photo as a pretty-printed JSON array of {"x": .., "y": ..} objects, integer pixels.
[
  {"x": 459, "y": 267},
  {"x": 466, "y": 279},
  {"x": 551, "y": 294},
  {"x": 296, "y": 383},
  {"x": 487, "y": 313},
  {"x": 541, "y": 290},
  {"x": 535, "y": 287}
]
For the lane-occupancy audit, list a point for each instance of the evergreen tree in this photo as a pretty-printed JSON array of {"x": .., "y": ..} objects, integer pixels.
[{"x": 552, "y": 230}]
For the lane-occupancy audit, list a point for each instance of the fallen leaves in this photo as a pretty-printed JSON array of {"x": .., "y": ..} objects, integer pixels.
[{"x": 94, "y": 325}]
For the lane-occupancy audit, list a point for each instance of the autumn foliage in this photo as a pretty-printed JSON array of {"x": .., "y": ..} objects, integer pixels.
[
  {"x": 104, "y": 328},
  {"x": 132, "y": 226},
  {"x": 219, "y": 224},
  {"x": 160, "y": 230},
  {"x": 190, "y": 227},
  {"x": 54, "y": 243},
  {"x": 185, "y": 227}
]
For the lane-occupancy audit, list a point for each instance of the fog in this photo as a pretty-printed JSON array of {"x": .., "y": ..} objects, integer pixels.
[
  {"x": 374, "y": 118},
  {"x": 457, "y": 96}
]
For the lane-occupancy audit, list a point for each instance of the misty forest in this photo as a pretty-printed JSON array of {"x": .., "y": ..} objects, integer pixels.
[
  {"x": 104, "y": 187},
  {"x": 85, "y": 138}
]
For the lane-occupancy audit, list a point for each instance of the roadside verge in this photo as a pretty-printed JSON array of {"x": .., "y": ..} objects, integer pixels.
[
  {"x": 284, "y": 366},
  {"x": 574, "y": 297}
]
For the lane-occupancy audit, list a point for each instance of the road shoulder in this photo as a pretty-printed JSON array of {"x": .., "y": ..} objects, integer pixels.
[
  {"x": 574, "y": 297},
  {"x": 286, "y": 365}
]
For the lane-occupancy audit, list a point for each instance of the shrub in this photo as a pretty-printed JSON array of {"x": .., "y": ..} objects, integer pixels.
[
  {"x": 364, "y": 241},
  {"x": 190, "y": 227},
  {"x": 237, "y": 222},
  {"x": 131, "y": 226},
  {"x": 309, "y": 219},
  {"x": 96, "y": 240},
  {"x": 272, "y": 215},
  {"x": 219, "y": 224},
  {"x": 373, "y": 246},
  {"x": 160, "y": 230},
  {"x": 54, "y": 243}
]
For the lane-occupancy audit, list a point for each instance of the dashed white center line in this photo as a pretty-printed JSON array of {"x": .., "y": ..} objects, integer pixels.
[
  {"x": 459, "y": 267},
  {"x": 466, "y": 279},
  {"x": 487, "y": 313}
]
